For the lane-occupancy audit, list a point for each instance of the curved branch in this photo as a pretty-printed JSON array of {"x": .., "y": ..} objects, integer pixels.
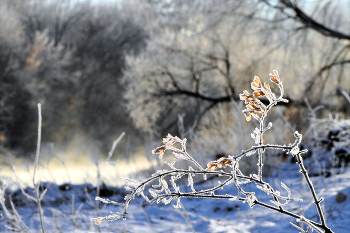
[
  {"x": 329, "y": 66},
  {"x": 189, "y": 93},
  {"x": 308, "y": 21},
  {"x": 322, "y": 70},
  {"x": 217, "y": 99}
]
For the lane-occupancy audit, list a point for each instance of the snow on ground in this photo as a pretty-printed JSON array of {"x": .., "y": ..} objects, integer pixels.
[{"x": 69, "y": 207}]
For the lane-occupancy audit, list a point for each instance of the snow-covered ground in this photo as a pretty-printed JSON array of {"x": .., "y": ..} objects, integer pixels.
[{"x": 69, "y": 207}]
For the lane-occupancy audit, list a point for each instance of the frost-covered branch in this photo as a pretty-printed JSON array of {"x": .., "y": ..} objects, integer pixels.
[{"x": 164, "y": 185}]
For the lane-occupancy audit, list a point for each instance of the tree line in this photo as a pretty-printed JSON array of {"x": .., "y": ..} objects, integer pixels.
[{"x": 138, "y": 65}]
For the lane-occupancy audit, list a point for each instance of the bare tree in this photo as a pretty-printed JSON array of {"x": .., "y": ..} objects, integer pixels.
[
  {"x": 198, "y": 59},
  {"x": 15, "y": 109},
  {"x": 106, "y": 35},
  {"x": 70, "y": 58},
  {"x": 14, "y": 103}
]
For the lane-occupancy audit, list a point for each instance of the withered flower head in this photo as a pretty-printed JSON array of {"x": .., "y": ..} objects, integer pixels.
[
  {"x": 253, "y": 105},
  {"x": 274, "y": 77}
]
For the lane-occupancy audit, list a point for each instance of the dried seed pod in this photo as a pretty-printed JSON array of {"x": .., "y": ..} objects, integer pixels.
[
  {"x": 159, "y": 150},
  {"x": 248, "y": 114},
  {"x": 258, "y": 93},
  {"x": 254, "y": 107},
  {"x": 274, "y": 77},
  {"x": 171, "y": 140},
  {"x": 256, "y": 84},
  {"x": 224, "y": 162},
  {"x": 211, "y": 166},
  {"x": 247, "y": 97}
]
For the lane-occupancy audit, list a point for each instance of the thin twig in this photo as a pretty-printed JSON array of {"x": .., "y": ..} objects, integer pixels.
[
  {"x": 36, "y": 186},
  {"x": 38, "y": 142},
  {"x": 187, "y": 218},
  {"x": 313, "y": 192},
  {"x": 115, "y": 143}
]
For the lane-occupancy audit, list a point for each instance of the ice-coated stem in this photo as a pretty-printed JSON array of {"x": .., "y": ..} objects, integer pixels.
[{"x": 313, "y": 192}]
